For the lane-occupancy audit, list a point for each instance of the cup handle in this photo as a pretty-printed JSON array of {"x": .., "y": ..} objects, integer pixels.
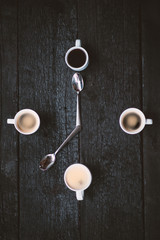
[
  {"x": 78, "y": 43},
  {"x": 79, "y": 195},
  {"x": 149, "y": 121},
  {"x": 10, "y": 121}
]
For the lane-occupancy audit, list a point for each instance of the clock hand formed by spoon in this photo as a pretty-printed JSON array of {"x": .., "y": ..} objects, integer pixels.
[{"x": 49, "y": 159}]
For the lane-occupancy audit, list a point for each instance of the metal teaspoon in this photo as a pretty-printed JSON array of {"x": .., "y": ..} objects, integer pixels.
[{"x": 49, "y": 159}]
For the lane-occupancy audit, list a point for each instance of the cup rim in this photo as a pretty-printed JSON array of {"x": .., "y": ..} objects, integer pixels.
[
  {"x": 28, "y": 111},
  {"x": 74, "y": 68},
  {"x": 68, "y": 170},
  {"x": 141, "y": 115}
]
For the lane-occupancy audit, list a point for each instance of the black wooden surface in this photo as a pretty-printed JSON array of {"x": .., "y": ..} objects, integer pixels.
[
  {"x": 151, "y": 99},
  {"x": 122, "y": 39},
  {"x": 9, "y": 184}
]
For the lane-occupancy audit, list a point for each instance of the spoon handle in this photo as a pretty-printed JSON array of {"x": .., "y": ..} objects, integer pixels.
[
  {"x": 72, "y": 134},
  {"x": 78, "y": 120}
]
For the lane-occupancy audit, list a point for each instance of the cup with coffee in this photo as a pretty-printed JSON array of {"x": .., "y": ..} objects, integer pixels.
[
  {"x": 132, "y": 121},
  {"x": 77, "y": 178},
  {"x": 77, "y": 57},
  {"x": 25, "y": 121}
]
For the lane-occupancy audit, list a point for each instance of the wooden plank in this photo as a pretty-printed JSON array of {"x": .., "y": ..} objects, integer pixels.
[
  {"x": 46, "y": 30},
  {"x": 113, "y": 205},
  {"x": 8, "y": 134},
  {"x": 151, "y": 99}
]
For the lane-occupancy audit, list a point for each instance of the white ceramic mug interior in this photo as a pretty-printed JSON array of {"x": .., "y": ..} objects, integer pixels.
[
  {"x": 144, "y": 121},
  {"x": 20, "y": 113},
  {"x": 77, "y": 46},
  {"x": 79, "y": 192}
]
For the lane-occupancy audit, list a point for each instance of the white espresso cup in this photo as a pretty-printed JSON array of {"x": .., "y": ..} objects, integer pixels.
[
  {"x": 25, "y": 121},
  {"x": 77, "y": 178},
  {"x": 77, "y": 57},
  {"x": 132, "y": 121}
]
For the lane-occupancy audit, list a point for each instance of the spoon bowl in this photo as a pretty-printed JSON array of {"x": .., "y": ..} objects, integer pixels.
[
  {"x": 78, "y": 85},
  {"x": 47, "y": 161},
  {"x": 77, "y": 82}
]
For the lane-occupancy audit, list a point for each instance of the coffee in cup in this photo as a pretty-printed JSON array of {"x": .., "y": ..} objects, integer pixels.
[
  {"x": 77, "y": 178},
  {"x": 132, "y": 121},
  {"x": 25, "y": 121},
  {"x": 77, "y": 57}
]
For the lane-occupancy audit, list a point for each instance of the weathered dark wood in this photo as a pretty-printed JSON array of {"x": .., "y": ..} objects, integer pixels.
[
  {"x": 48, "y": 210},
  {"x": 113, "y": 205},
  {"x": 122, "y": 39},
  {"x": 8, "y": 134},
  {"x": 151, "y": 99}
]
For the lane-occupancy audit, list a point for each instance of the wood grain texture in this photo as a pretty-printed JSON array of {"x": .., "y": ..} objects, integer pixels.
[
  {"x": 8, "y": 134},
  {"x": 122, "y": 39},
  {"x": 48, "y": 210},
  {"x": 113, "y": 206},
  {"x": 151, "y": 134}
]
